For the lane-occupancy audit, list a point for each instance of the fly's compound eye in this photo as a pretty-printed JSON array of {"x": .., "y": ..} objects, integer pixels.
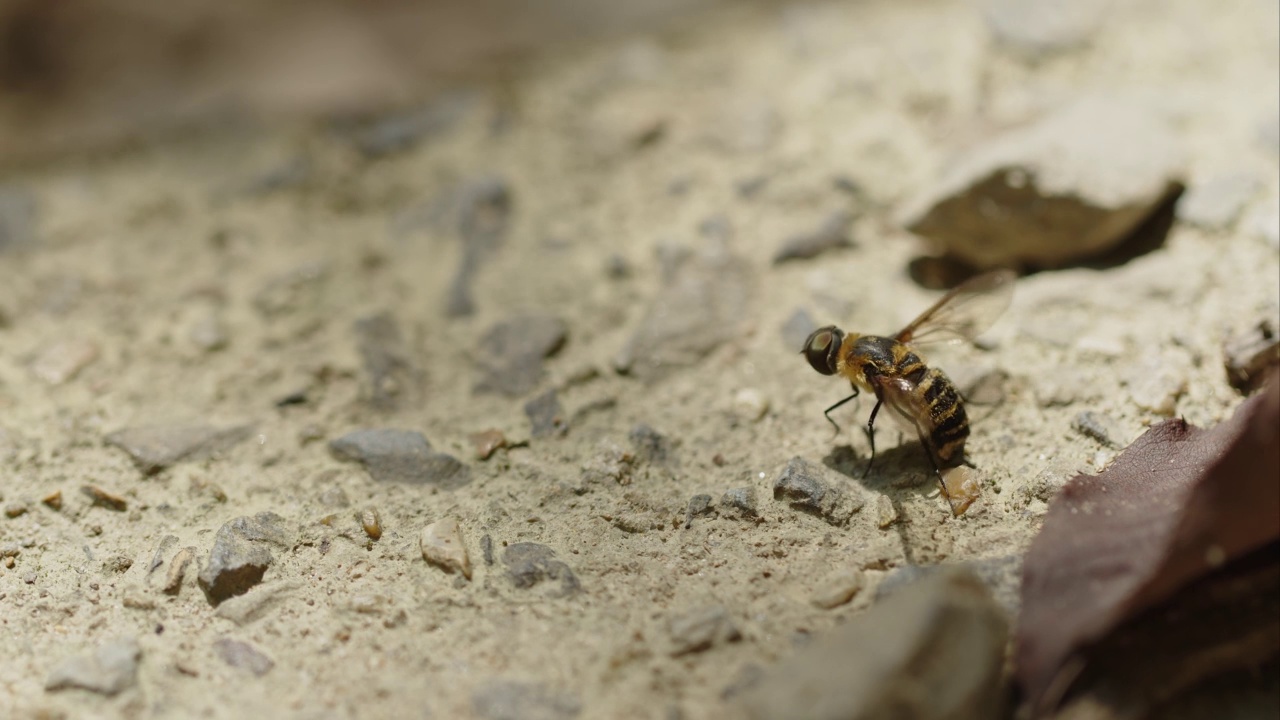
[{"x": 822, "y": 349}]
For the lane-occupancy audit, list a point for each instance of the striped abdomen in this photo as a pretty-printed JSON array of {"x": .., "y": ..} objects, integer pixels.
[{"x": 947, "y": 418}]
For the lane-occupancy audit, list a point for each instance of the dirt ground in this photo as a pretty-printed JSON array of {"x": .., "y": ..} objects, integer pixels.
[{"x": 205, "y": 278}]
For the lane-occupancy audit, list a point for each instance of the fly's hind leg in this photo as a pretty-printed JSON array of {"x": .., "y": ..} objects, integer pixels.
[{"x": 937, "y": 471}]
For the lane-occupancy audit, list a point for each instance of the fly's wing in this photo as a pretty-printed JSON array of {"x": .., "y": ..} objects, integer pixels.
[
  {"x": 909, "y": 406},
  {"x": 964, "y": 312}
]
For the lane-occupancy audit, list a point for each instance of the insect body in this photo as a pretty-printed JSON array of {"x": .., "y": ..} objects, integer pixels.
[{"x": 921, "y": 397}]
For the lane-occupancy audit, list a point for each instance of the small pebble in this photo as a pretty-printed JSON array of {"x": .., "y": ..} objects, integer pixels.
[
  {"x": 529, "y": 564},
  {"x": 63, "y": 360},
  {"x": 111, "y": 669},
  {"x": 886, "y": 512},
  {"x": 650, "y": 445},
  {"x": 1155, "y": 385},
  {"x": 838, "y": 589},
  {"x": 243, "y": 655},
  {"x": 546, "y": 416},
  {"x": 698, "y": 505},
  {"x": 750, "y": 404},
  {"x": 809, "y": 488},
  {"x": 1250, "y": 354},
  {"x": 104, "y": 499},
  {"x": 1217, "y": 202},
  {"x": 701, "y": 628},
  {"x": 487, "y": 442},
  {"x": 13, "y": 510},
  {"x": 742, "y": 500},
  {"x": 442, "y": 545},
  {"x": 53, "y": 500},
  {"x": 371, "y": 522},
  {"x": 177, "y": 569},
  {"x": 832, "y": 234},
  {"x": 1099, "y": 426},
  {"x": 162, "y": 549}
]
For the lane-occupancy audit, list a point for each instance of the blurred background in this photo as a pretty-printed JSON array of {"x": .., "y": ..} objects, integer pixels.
[{"x": 76, "y": 74}]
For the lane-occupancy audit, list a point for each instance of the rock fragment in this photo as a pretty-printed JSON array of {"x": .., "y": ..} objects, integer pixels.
[
  {"x": 64, "y": 359},
  {"x": 1249, "y": 355},
  {"x": 240, "y": 556},
  {"x": 402, "y": 456},
  {"x": 698, "y": 505},
  {"x": 546, "y": 416},
  {"x": 1217, "y": 203},
  {"x": 371, "y": 523},
  {"x": 701, "y": 628},
  {"x": 529, "y": 564},
  {"x": 156, "y": 447},
  {"x": 886, "y": 512},
  {"x": 1066, "y": 188},
  {"x": 511, "y": 354},
  {"x": 178, "y": 570},
  {"x": 832, "y": 234},
  {"x": 1040, "y": 28},
  {"x": 651, "y": 446},
  {"x": 702, "y": 304},
  {"x": 806, "y": 487},
  {"x": 740, "y": 501},
  {"x": 511, "y": 700},
  {"x": 1099, "y": 426},
  {"x": 110, "y": 670},
  {"x": 102, "y": 498},
  {"x": 242, "y": 655},
  {"x": 1155, "y": 385},
  {"x": 487, "y": 442},
  {"x": 961, "y": 486},
  {"x": 53, "y": 500},
  {"x": 838, "y": 589},
  {"x": 750, "y": 404},
  {"x": 392, "y": 377},
  {"x": 936, "y": 651},
  {"x": 442, "y": 545},
  {"x": 157, "y": 558}
]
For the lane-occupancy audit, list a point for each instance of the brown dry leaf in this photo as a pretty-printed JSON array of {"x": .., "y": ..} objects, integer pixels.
[{"x": 1179, "y": 503}]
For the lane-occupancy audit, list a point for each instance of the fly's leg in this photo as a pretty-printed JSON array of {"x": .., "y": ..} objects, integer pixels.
[
  {"x": 928, "y": 451},
  {"x": 871, "y": 435},
  {"x": 827, "y": 412}
]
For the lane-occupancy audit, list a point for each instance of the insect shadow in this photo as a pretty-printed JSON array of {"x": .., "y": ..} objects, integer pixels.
[{"x": 903, "y": 466}]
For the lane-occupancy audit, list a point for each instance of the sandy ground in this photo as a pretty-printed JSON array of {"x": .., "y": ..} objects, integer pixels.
[{"x": 205, "y": 278}]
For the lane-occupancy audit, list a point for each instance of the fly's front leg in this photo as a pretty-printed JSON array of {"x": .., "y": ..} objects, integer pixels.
[{"x": 827, "y": 412}]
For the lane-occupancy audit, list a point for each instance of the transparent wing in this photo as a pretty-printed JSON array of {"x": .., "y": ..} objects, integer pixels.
[
  {"x": 964, "y": 312},
  {"x": 909, "y": 407}
]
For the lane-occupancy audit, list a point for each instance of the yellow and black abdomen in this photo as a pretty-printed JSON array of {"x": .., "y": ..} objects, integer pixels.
[{"x": 948, "y": 421}]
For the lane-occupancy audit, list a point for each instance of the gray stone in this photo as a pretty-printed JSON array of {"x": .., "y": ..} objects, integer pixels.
[
  {"x": 701, "y": 628},
  {"x": 110, "y": 670},
  {"x": 1217, "y": 203},
  {"x": 1038, "y": 28},
  {"x": 651, "y": 446},
  {"x": 512, "y": 352},
  {"x": 393, "y": 379},
  {"x": 1250, "y": 354},
  {"x": 1066, "y": 188},
  {"x": 806, "y": 487},
  {"x": 243, "y": 655},
  {"x": 698, "y": 505},
  {"x": 402, "y": 456},
  {"x": 529, "y": 564},
  {"x": 832, "y": 234},
  {"x": 1100, "y": 427},
  {"x": 740, "y": 501},
  {"x": 936, "y": 651},
  {"x": 399, "y": 132},
  {"x": 240, "y": 556},
  {"x": 511, "y": 700},
  {"x": 17, "y": 217},
  {"x": 484, "y": 213},
  {"x": 797, "y": 329},
  {"x": 702, "y": 304},
  {"x": 546, "y": 416},
  {"x": 156, "y": 447}
]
